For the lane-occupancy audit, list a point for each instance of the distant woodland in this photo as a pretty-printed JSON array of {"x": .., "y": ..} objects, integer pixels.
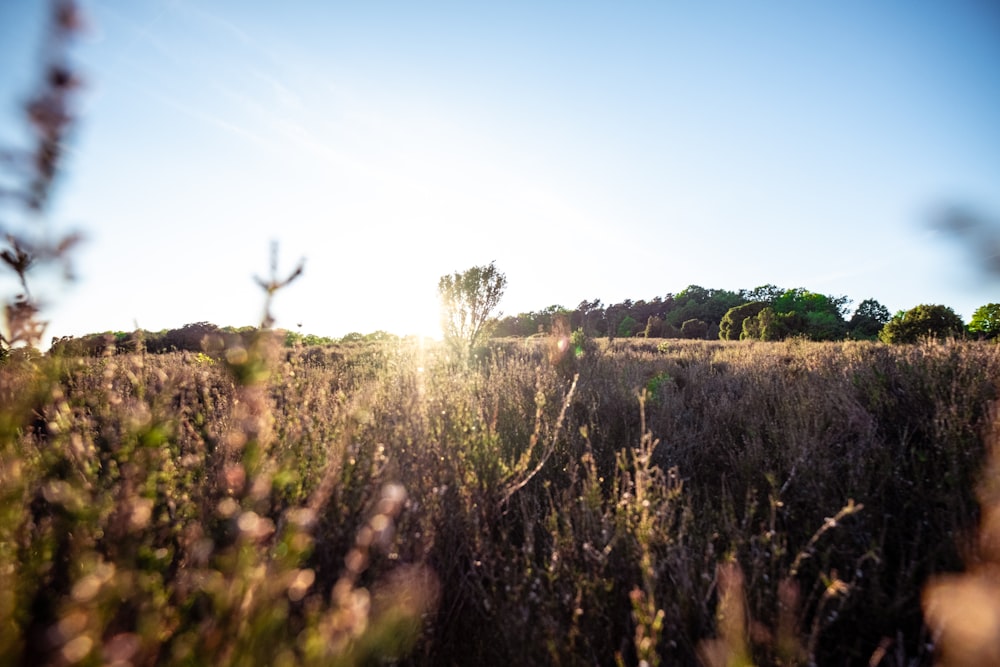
[{"x": 767, "y": 313}]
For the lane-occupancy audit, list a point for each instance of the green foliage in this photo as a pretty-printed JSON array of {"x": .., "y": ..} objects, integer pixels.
[
  {"x": 766, "y": 293},
  {"x": 657, "y": 385},
  {"x": 627, "y": 327},
  {"x": 731, "y": 326},
  {"x": 769, "y": 325},
  {"x": 296, "y": 339},
  {"x": 803, "y": 301},
  {"x": 697, "y": 303},
  {"x": 696, "y": 329},
  {"x": 468, "y": 303},
  {"x": 824, "y": 325},
  {"x": 924, "y": 321},
  {"x": 986, "y": 321},
  {"x": 868, "y": 320},
  {"x": 799, "y": 312}
]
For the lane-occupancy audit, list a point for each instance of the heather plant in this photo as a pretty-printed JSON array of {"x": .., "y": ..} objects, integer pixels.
[
  {"x": 798, "y": 499},
  {"x": 150, "y": 514}
]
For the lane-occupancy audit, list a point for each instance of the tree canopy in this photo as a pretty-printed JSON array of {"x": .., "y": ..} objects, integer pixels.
[
  {"x": 986, "y": 321},
  {"x": 923, "y": 321},
  {"x": 868, "y": 320},
  {"x": 731, "y": 326}
]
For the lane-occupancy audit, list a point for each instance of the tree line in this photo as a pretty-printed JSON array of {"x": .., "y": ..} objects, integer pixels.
[
  {"x": 469, "y": 300},
  {"x": 195, "y": 337},
  {"x": 764, "y": 313}
]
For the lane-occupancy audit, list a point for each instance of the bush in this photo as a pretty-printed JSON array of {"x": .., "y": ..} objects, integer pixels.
[
  {"x": 924, "y": 321},
  {"x": 694, "y": 329},
  {"x": 731, "y": 326}
]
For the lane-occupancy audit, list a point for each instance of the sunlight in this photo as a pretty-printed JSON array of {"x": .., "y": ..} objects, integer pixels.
[{"x": 423, "y": 319}]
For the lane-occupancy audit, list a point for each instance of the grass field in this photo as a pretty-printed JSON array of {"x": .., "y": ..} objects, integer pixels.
[{"x": 673, "y": 502}]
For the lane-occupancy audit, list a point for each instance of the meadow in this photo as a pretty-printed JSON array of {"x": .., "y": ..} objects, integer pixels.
[{"x": 634, "y": 501}]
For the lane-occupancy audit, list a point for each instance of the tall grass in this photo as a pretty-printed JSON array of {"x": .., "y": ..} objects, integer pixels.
[{"x": 713, "y": 503}]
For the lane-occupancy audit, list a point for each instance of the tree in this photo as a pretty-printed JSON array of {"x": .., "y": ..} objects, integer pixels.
[
  {"x": 868, "y": 320},
  {"x": 694, "y": 329},
  {"x": 923, "y": 321},
  {"x": 697, "y": 303},
  {"x": 817, "y": 316},
  {"x": 769, "y": 325},
  {"x": 654, "y": 327},
  {"x": 766, "y": 293},
  {"x": 587, "y": 315},
  {"x": 627, "y": 327},
  {"x": 468, "y": 302},
  {"x": 731, "y": 326},
  {"x": 986, "y": 321}
]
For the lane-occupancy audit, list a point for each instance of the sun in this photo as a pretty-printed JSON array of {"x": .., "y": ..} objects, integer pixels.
[{"x": 425, "y": 319}]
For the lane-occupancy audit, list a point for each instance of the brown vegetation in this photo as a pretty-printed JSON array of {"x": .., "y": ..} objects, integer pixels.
[{"x": 558, "y": 504}]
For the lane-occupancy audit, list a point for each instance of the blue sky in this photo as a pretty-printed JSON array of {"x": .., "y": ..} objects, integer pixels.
[{"x": 593, "y": 150}]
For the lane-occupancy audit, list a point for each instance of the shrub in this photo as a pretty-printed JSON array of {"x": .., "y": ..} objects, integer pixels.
[
  {"x": 924, "y": 321},
  {"x": 731, "y": 326},
  {"x": 694, "y": 329}
]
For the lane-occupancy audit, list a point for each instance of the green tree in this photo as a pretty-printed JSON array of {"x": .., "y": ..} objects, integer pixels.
[
  {"x": 697, "y": 303},
  {"x": 818, "y": 316},
  {"x": 868, "y": 320},
  {"x": 824, "y": 325},
  {"x": 626, "y": 328},
  {"x": 731, "y": 326},
  {"x": 694, "y": 329},
  {"x": 986, "y": 321},
  {"x": 767, "y": 293},
  {"x": 923, "y": 321},
  {"x": 769, "y": 325},
  {"x": 468, "y": 301}
]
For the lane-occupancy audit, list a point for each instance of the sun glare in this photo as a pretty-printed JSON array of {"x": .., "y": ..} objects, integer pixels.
[{"x": 425, "y": 320}]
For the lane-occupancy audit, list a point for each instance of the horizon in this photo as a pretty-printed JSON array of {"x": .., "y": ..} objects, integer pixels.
[{"x": 592, "y": 152}]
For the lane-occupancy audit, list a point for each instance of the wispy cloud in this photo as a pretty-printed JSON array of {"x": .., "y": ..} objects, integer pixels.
[
  {"x": 140, "y": 32},
  {"x": 282, "y": 93},
  {"x": 211, "y": 119},
  {"x": 215, "y": 20}
]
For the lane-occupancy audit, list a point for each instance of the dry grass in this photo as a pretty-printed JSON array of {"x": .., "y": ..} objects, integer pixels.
[{"x": 700, "y": 502}]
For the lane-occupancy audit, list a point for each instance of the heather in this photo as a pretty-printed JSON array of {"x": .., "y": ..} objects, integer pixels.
[{"x": 673, "y": 502}]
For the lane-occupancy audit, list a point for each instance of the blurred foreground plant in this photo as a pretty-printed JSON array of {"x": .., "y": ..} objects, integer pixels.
[
  {"x": 963, "y": 610},
  {"x": 129, "y": 535},
  {"x": 30, "y": 244}
]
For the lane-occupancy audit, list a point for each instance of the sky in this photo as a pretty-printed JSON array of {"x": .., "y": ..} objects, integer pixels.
[{"x": 591, "y": 149}]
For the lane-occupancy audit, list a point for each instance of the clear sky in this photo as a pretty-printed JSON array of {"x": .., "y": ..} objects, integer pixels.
[{"x": 592, "y": 149}]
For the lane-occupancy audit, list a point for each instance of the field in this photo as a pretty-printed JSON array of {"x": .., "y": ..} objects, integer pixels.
[{"x": 666, "y": 502}]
